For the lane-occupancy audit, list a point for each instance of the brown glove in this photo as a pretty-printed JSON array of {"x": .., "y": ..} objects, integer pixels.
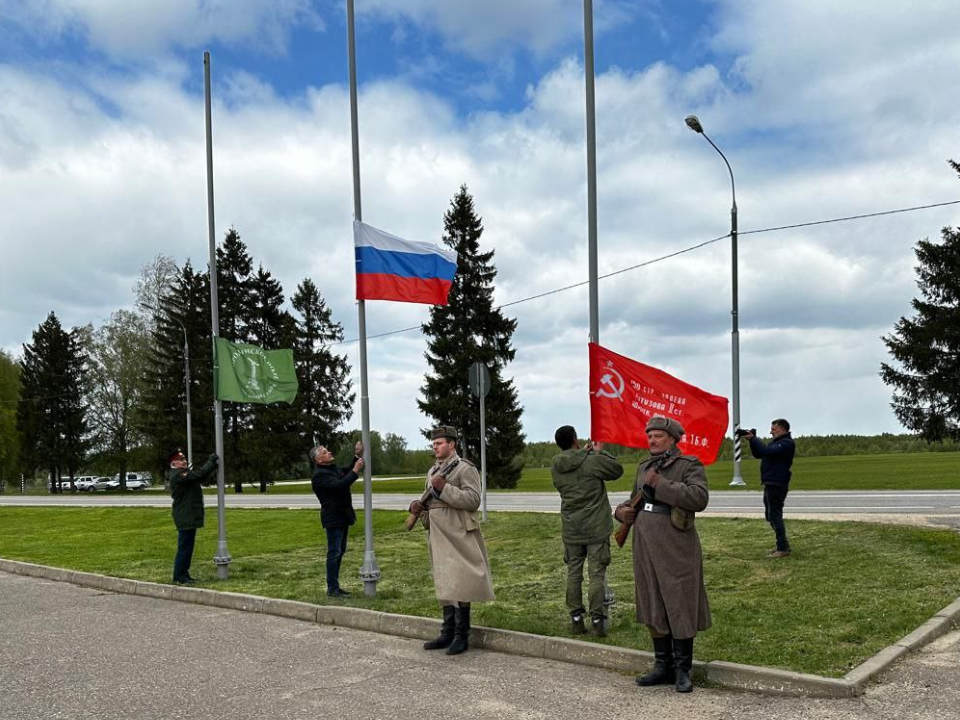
[
  {"x": 626, "y": 515},
  {"x": 416, "y": 507},
  {"x": 438, "y": 485}
]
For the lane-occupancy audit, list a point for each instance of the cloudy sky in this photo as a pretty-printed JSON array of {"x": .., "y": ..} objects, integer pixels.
[{"x": 824, "y": 110}]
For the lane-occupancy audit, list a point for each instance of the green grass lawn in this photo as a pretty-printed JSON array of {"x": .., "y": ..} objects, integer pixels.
[{"x": 849, "y": 589}]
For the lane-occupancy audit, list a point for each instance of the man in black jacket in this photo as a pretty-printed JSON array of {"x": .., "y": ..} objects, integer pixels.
[
  {"x": 775, "y": 461},
  {"x": 331, "y": 485},
  {"x": 187, "y": 508}
]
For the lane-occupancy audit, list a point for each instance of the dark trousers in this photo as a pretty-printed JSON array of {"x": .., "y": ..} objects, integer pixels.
[
  {"x": 336, "y": 549},
  {"x": 773, "y": 498},
  {"x": 186, "y": 539}
]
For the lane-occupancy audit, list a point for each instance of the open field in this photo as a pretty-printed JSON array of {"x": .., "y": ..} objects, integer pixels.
[
  {"x": 849, "y": 590},
  {"x": 903, "y": 471},
  {"x": 906, "y": 471}
]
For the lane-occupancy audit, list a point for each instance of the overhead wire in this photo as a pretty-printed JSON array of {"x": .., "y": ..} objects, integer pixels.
[{"x": 674, "y": 254}]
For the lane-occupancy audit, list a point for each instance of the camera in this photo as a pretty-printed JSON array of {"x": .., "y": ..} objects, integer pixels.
[{"x": 741, "y": 432}]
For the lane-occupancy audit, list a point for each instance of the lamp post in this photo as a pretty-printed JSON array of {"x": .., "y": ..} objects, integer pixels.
[
  {"x": 186, "y": 380},
  {"x": 693, "y": 122}
]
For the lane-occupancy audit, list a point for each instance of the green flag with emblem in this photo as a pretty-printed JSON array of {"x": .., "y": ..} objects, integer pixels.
[{"x": 249, "y": 374}]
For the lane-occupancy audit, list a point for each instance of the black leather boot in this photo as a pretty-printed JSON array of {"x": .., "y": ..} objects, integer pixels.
[
  {"x": 662, "y": 672},
  {"x": 461, "y": 636},
  {"x": 446, "y": 631},
  {"x": 683, "y": 662}
]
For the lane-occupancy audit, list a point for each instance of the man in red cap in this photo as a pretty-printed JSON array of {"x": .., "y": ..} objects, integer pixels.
[{"x": 185, "y": 487}]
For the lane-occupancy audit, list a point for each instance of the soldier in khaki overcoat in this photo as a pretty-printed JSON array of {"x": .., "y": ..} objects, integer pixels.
[
  {"x": 461, "y": 571},
  {"x": 667, "y": 559}
]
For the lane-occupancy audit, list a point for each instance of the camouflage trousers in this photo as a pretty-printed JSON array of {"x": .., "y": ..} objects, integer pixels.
[{"x": 596, "y": 557}]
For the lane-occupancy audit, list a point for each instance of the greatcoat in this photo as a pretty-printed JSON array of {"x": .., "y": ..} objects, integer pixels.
[
  {"x": 667, "y": 562},
  {"x": 461, "y": 570}
]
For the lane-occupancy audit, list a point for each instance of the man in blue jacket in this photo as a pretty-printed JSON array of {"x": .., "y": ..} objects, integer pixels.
[
  {"x": 775, "y": 461},
  {"x": 331, "y": 485}
]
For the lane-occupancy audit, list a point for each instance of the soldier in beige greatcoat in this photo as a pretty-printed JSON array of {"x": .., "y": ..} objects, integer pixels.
[
  {"x": 667, "y": 559},
  {"x": 461, "y": 571}
]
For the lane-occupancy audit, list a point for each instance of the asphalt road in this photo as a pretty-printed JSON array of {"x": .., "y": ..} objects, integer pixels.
[
  {"x": 61, "y": 658},
  {"x": 748, "y": 503}
]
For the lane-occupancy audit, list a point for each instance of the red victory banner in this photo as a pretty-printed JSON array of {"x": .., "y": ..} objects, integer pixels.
[{"x": 625, "y": 394}]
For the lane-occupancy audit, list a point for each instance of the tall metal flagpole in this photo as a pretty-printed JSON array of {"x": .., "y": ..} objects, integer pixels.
[
  {"x": 222, "y": 558},
  {"x": 588, "y": 72},
  {"x": 369, "y": 571}
]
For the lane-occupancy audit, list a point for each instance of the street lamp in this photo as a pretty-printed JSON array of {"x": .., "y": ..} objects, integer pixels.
[
  {"x": 693, "y": 122},
  {"x": 186, "y": 376}
]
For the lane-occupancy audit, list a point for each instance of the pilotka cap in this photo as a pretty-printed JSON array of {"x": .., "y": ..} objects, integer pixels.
[
  {"x": 670, "y": 426},
  {"x": 444, "y": 431}
]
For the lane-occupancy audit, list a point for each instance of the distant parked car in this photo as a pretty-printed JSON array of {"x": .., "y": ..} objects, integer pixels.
[
  {"x": 86, "y": 483},
  {"x": 135, "y": 481}
]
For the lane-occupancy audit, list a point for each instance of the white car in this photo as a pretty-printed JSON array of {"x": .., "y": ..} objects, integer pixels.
[
  {"x": 86, "y": 483},
  {"x": 134, "y": 482}
]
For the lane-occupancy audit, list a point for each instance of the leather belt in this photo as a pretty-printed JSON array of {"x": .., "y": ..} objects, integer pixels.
[{"x": 660, "y": 508}]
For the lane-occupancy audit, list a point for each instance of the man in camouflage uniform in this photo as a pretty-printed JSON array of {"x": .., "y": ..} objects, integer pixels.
[
  {"x": 461, "y": 571},
  {"x": 586, "y": 523}
]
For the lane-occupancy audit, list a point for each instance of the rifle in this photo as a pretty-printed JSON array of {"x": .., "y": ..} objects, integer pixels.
[
  {"x": 412, "y": 518},
  {"x": 624, "y": 531}
]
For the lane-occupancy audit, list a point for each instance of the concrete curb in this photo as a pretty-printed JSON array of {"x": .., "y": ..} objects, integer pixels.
[{"x": 724, "y": 674}]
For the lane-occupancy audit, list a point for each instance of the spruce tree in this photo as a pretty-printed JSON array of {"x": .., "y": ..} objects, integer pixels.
[
  {"x": 325, "y": 401},
  {"x": 51, "y": 414},
  {"x": 467, "y": 330},
  {"x": 926, "y": 347}
]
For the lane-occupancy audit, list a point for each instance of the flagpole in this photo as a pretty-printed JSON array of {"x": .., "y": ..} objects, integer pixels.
[
  {"x": 369, "y": 571},
  {"x": 592, "y": 262},
  {"x": 222, "y": 558}
]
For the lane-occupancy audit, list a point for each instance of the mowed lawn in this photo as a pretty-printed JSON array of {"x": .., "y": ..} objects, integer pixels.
[{"x": 849, "y": 589}]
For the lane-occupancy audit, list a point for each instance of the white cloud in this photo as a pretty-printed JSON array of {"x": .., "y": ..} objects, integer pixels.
[
  {"x": 138, "y": 29},
  {"x": 100, "y": 173},
  {"x": 485, "y": 28}
]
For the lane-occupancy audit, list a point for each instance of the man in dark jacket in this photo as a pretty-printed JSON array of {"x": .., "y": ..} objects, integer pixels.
[
  {"x": 586, "y": 522},
  {"x": 185, "y": 487},
  {"x": 331, "y": 485},
  {"x": 775, "y": 461}
]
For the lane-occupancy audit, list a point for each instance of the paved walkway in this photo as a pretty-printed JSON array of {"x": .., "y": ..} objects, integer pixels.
[{"x": 82, "y": 654}]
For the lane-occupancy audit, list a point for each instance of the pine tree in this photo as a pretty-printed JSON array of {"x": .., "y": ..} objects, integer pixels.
[
  {"x": 467, "y": 330},
  {"x": 324, "y": 402},
  {"x": 183, "y": 305},
  {"x": 926, "y": 348},
  {"x": 51, "y": 414},
  {"x": 235, "y": 298},
  {"x": 272, "y": 447}
]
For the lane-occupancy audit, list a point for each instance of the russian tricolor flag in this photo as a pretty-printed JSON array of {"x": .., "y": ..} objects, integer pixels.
[{"x": 391, "y": 268}]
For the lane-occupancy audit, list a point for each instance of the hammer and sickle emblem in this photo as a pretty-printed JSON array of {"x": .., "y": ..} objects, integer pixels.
[{"x": 611, "y": 384}]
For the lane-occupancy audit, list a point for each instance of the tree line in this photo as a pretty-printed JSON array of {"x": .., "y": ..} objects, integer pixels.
[{"x": 114, "y": 395}]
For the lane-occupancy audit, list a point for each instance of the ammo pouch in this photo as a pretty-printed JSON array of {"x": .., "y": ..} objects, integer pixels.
[{"x": 682, "y": 519}]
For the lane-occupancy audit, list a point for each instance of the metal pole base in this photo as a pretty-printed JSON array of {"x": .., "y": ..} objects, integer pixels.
[
  {"x": 369, "y": 573},
  {"x": 222, "y": 561},
  {"x": 737, "y": 482}
]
